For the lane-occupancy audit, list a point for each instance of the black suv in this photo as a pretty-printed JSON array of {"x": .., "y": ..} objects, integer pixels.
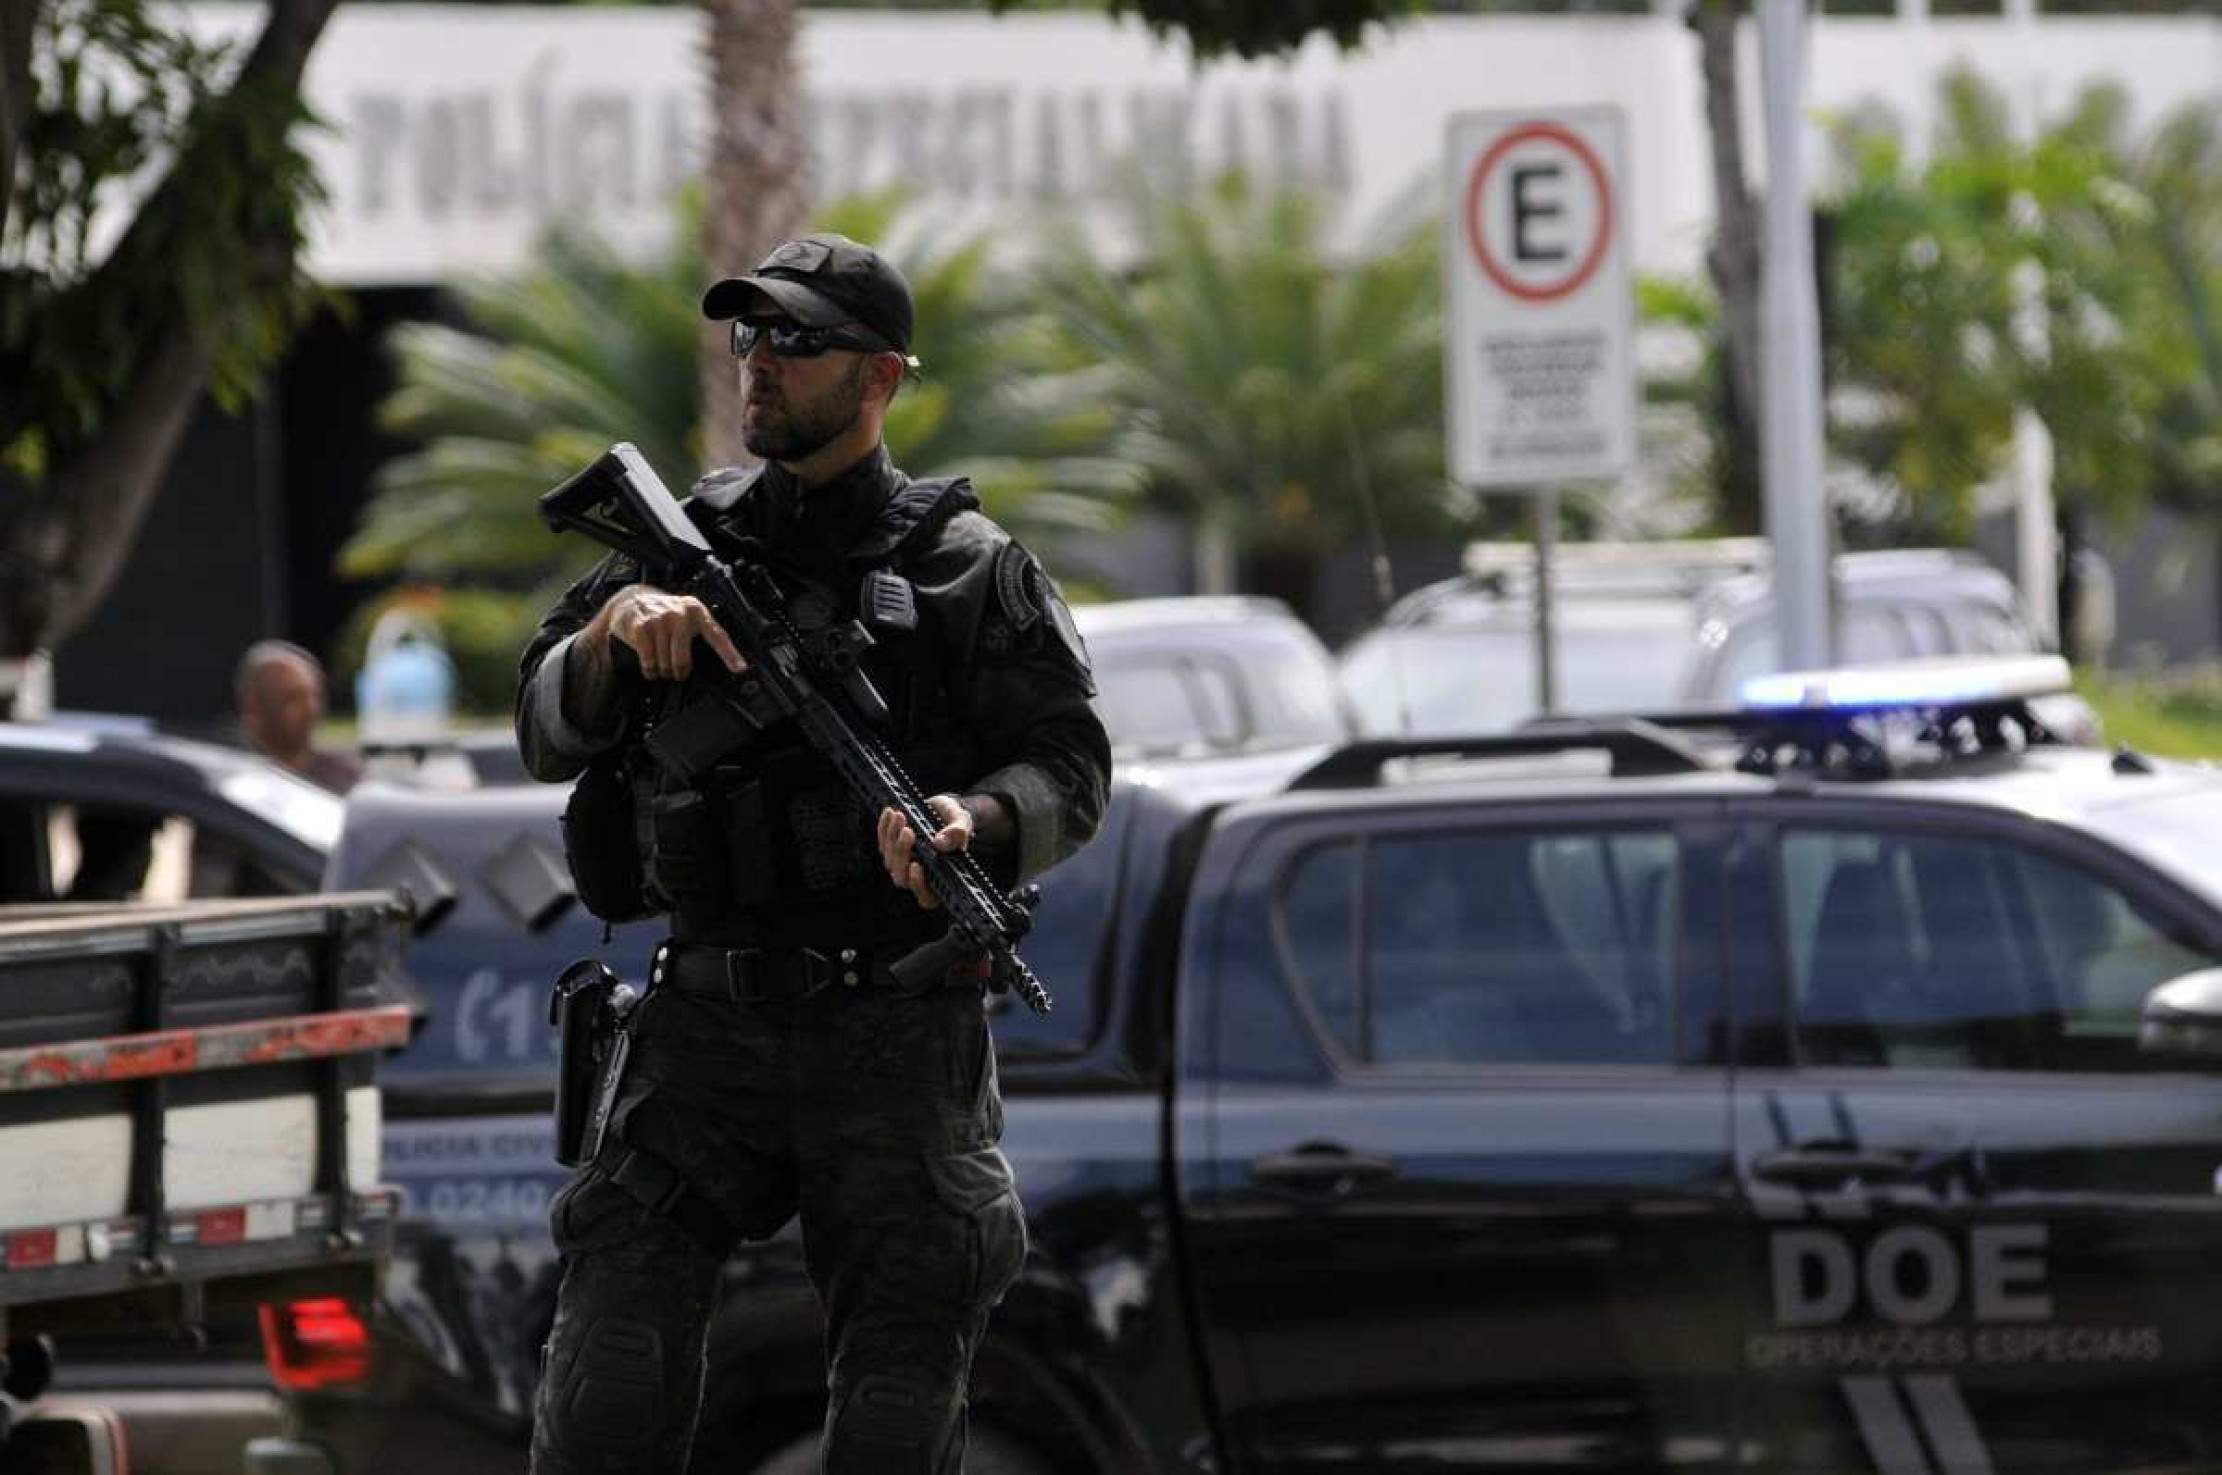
[{"x": 1805, "y": 1090}]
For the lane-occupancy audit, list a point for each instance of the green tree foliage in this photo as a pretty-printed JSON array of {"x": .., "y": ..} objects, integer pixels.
[
  {"x": 2179, "y": 170},
  {"x": 994, "y": 402},
  {"x": 584, "y": 348},
  {"x": 1997, "y": 273},
  {"x": 1262, "y": 387},
  {"x": 116, "y": 95},
  {"x": 1253, "y": 27},
  {"x": 1683, "y": 432},
  {"x": 580, "y": 350},
  {"x": 108, "y": 340},
  {"x": 2079, "y": 273}
]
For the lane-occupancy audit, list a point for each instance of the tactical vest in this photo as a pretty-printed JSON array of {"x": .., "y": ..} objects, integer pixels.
[{"x": 768, "y": 845}]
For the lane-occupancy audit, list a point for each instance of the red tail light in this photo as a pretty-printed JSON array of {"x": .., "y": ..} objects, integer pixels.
[{"x": 315, "y": 1344}]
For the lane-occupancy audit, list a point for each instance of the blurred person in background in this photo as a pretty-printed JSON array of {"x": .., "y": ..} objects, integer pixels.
[{"x": 280, "y": 691}]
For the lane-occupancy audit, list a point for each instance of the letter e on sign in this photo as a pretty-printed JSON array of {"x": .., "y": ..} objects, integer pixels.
[
  {"x": 1538, "y": 345},
  {"x": 1539, "y": 212}
]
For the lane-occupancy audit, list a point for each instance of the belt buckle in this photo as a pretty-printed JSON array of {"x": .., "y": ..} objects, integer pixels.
[
  {"x": 818, "y": 971},
  {"x": 739, "y": 964}
]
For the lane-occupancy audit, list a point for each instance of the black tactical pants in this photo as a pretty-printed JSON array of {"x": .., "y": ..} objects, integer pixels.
[{"x": 873, "y": 1115}]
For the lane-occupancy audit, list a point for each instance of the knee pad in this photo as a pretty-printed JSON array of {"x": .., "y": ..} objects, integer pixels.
[
  {"x": 893, "y": 1424},
  {"x": 612, "y": 1396}
]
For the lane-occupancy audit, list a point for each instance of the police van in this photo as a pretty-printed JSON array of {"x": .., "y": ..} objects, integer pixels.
[{"x": 1829, "y": 1084}]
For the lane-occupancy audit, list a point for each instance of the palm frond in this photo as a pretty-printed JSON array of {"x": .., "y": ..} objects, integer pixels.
[
  {"x": 1256, "y": 380},
  {"x": 585, "y": 348}
]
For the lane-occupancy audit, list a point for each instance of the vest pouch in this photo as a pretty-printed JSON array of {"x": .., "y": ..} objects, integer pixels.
[
  {"x": 600, "y": 846},
  {"x": 834, "y": 848},
  {"x": 752, "y": 864},
  {"x": 686, "y": 854}
]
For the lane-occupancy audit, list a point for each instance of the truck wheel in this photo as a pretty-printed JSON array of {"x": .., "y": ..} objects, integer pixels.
[{"x": 988, "y": 1453}]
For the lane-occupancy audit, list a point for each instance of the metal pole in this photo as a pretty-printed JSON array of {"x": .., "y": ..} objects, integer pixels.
[
  {"x": 2036, "y": 536},
  {"x": 1546, "y": 554},
  {"x": 1790, "y": 358}
]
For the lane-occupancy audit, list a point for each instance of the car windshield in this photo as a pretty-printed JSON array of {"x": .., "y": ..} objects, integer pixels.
[
  {"x": 1452, "y": 680},
  {"x": 304, "y": 811}
]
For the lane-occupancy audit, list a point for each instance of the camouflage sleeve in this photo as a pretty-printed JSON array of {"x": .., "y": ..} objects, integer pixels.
[
  {"x": 1029, "y": 706},
  {"x": 557, "y": 743}
]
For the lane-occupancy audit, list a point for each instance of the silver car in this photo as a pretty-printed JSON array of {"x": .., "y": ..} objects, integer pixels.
[
  {"x": 1684, "y": 625},
  {"x": 1207, "y": 675}
]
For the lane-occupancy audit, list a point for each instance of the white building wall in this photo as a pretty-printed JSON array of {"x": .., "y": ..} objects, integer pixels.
[{"x": 457, "y": 134}]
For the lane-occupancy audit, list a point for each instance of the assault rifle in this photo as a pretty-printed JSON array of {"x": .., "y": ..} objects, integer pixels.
[{"x": 815, "y": 680}]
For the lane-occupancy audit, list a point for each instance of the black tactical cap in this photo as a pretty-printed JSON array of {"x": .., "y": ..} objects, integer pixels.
[{"x": 821, "y": 281}]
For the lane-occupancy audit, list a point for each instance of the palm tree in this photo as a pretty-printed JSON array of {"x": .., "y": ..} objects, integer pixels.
[
  {"x": 1260, "y": 389},
  {"x": 757, "y": 191},
  {"x": 585, "y": 348},
  {"x": 579, "y": 350},
  {"x": 556, "y": 363},
  {"x": 995, "y": 401}
]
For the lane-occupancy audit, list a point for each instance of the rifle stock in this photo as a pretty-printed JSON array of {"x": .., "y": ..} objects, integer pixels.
[{"x": 621, "y": 503}]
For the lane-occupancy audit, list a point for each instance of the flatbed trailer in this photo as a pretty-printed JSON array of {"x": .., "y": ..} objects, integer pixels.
[{"x": 189, "y": 1119}]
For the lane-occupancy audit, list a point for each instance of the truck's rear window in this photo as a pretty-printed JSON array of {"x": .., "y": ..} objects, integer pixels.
[{"x": 1487, "y": 946}]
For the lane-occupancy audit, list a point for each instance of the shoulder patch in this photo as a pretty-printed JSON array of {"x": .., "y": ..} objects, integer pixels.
[
  {"x": 1032, "y": 615},
  {"x": 1019, "y": 585}
]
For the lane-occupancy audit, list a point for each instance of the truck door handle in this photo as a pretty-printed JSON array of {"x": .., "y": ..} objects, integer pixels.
[
  {"x": 1822, "y": 1165},
  {"x": 1322, "y": 1167}
]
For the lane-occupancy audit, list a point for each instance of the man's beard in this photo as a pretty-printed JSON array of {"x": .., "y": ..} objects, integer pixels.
[{"x": 780, "y": 430}]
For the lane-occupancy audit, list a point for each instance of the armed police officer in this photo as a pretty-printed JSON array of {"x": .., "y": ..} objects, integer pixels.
[{"x": 776, "y": 1066}]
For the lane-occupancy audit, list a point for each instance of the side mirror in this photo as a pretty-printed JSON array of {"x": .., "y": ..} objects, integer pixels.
[{"x": 2183, "y": 1018}]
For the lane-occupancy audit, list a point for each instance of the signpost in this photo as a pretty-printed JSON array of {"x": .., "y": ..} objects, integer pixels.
[
  {"x": 1539, "y": 345},
  {"x": 1792, "y": 461}
]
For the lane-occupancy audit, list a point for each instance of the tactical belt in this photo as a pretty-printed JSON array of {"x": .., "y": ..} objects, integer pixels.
[
  {"x": 752, "y": 975},
  {"x": 778, "y": 975}
]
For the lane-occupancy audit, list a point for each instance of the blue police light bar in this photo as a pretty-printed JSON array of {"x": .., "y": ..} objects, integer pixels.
[{"x": 1932, "y": 681}]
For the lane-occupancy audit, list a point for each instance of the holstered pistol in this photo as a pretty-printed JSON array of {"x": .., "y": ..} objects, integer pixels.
[{"x": 591, "y": 1009}]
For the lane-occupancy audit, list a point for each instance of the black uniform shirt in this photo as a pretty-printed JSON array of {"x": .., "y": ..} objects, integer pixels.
[{"x": 1015, "y": 678}]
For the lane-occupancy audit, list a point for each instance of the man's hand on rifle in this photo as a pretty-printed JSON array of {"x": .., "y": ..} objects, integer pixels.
[
  {"x": 661, "y": 627},
  {"x": 897, "y": 839}
]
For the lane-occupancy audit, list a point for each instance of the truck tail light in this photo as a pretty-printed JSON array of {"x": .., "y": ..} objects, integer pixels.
[{"x": 315, "y": 1344}]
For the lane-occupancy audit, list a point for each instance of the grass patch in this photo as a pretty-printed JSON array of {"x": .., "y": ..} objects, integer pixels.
[{"x": 2175, "y": 714}]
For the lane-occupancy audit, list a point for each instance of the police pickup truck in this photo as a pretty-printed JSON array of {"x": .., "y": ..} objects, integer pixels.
[{"x": 1834, "y": 1084}]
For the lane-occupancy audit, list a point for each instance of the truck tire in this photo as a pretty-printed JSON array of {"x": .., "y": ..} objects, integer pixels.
[{"x": 988, "y": 1453}]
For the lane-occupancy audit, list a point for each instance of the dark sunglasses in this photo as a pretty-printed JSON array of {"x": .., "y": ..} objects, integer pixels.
[{"x": 793, "y": 341}]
